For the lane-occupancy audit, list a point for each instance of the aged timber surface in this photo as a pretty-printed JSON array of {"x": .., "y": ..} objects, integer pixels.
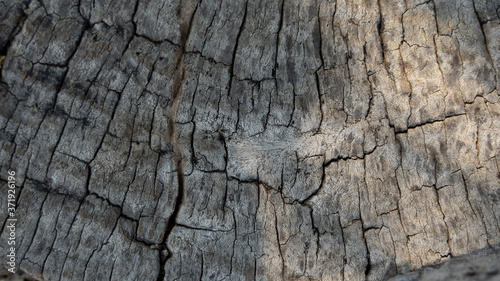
[{"x": 249, "y": 140}]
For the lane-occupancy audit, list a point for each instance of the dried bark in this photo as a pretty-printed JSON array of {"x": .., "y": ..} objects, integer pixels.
[{"x": 249, "y": 140}]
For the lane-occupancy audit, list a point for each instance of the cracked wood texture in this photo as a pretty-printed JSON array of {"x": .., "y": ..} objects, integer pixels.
[{"x": 249, "y": 140}]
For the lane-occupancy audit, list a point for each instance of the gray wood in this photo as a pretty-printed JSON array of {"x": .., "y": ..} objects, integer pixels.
[{"x": 249, "y": 140}]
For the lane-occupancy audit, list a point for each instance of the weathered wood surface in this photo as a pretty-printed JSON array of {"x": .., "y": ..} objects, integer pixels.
[
  {"x": 257, "y": 140},
  {"x": 479, "y": 266}
]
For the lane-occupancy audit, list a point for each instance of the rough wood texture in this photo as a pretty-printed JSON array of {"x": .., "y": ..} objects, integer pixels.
[
  {"x": 257, "y": 140},
  {"x": 480, "y": 266}
]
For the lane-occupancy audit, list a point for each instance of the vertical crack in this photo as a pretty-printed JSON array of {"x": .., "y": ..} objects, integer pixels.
[
  {"x": 278, "y": 240},
  {"x": 380, "y": 29},
  {"x": 179, "y": 78},
  {"x": 344, "y": 256},
  {"x": 444, "y": 221},
  {"x": 320, "y": 39},
  {"x": 231, "y": 68},
  {"x": 321, "y": 101},
  {"x": 32, "y": 238},
  {"x": 486, "y": 45},
  {"x": 280, "y": 27}
]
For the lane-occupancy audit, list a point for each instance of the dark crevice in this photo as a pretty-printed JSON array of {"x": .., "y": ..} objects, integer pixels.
[
  {"x": 320, "y": 40},
  {"x": 55, "y": 237},
  {"x": 44, "y": 187},
  {"x": 178, "y": 82},
  {"x": 368, "y": 260},
  {"x": 231, "y": 68},
  {"x": 280, "y": 27},
  {"x": 36, "y": 228},
  {"x": 18, "y": 27},
  {"x": 278, "y": 240},
  {"x": 427, "y": 123},
  {"x": 323, "y": 175},
  {"x": 320, "y": 98},
  {"x": 202, "y": 228},
  {"x": 486, "y": 44},
  {"x": 448, "y": 238},
  {"x": 112, "y": 205}
]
